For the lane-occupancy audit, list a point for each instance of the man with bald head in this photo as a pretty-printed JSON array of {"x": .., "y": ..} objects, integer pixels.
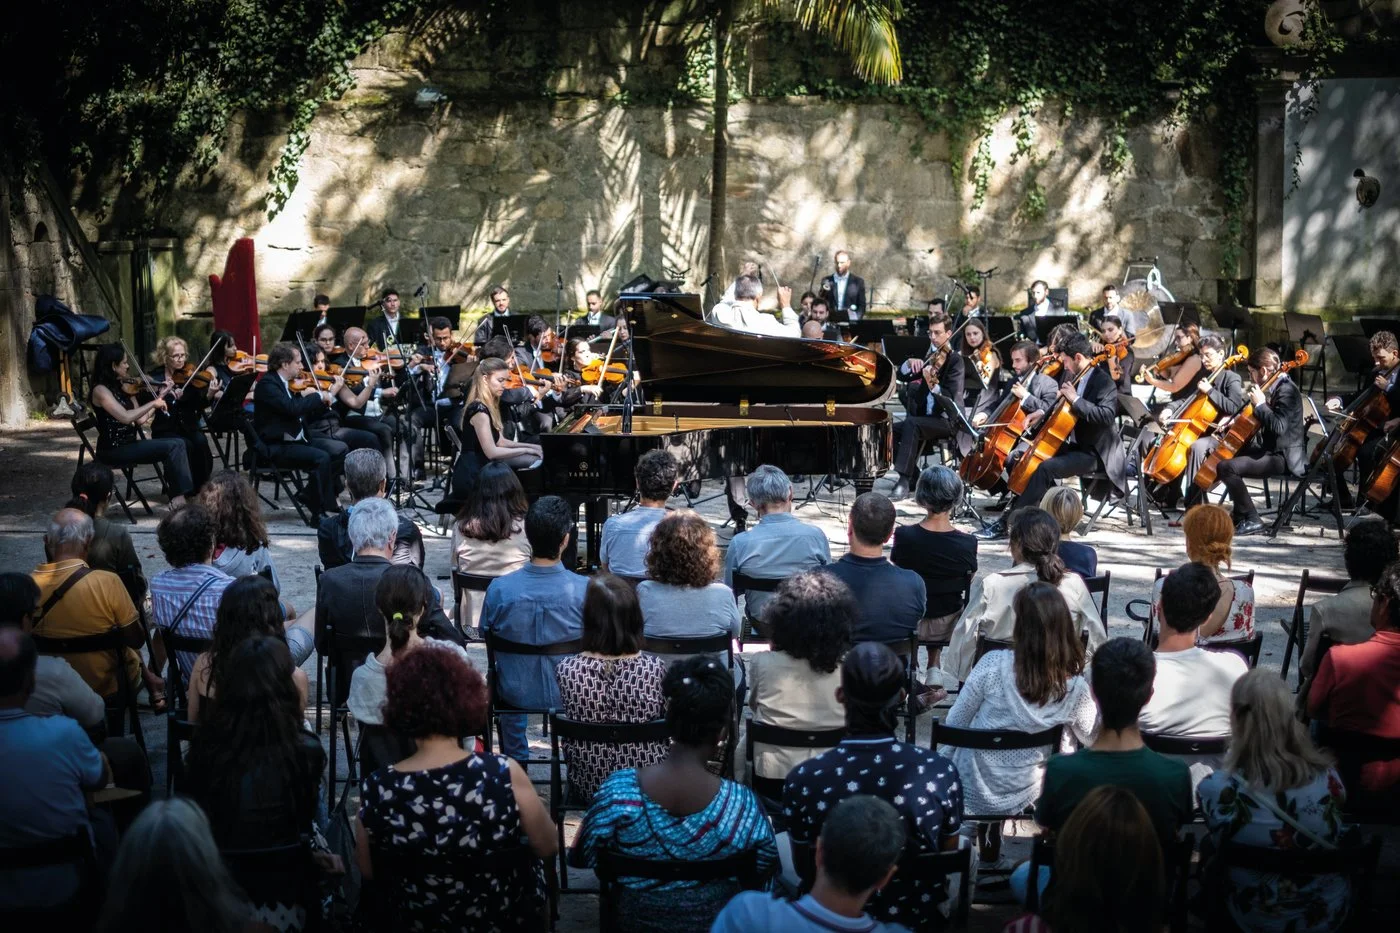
[{"x": 76, "y": 600}]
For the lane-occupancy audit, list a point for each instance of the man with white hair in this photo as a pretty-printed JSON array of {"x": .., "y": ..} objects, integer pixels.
[
  {"x": 779, "y": 545},
  {"x": 345, "y": 595},
  {"x": 365, "y": 478},
  {"x": 743, "y": 314}
]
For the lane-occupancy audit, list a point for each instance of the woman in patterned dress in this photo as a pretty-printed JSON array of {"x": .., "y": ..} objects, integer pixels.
[
  {"x": 611, "y": 681},
  {"x": 453, "y": 839}
]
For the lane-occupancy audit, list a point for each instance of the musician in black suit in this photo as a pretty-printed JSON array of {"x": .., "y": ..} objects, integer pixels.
[
  {"x": 595, "y": 316},
  {"x": 820, "y": 314},
  {"x": 1108, "y": 309},
  {"x": 380, "y": 329},
  {"x": 1040, "y": 305},
  {"x": 1279, "y": 446},
  {"x": 925, "y": 422},
  {"x": 843, "y": 291},
  {"x": 493, "y": 325},
  {"x": 1036, "y": 392},
  {"x": 280, "y": 419},
  {"x": 1095, "y": 444},
  {"x": 1385, "y": 377}
]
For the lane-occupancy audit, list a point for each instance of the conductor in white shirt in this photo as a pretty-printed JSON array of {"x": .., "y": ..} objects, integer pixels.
[{"x": 743, "y": 314}]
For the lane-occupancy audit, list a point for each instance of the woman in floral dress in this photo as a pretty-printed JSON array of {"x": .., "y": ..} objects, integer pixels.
[{"x": 1209, "y": 532}]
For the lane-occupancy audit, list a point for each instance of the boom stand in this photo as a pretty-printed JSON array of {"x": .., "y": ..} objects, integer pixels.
[{"x": 414, "y": 499}]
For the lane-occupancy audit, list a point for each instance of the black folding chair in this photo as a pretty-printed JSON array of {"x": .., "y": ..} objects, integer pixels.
[
  {"x": 379, "y": 897},
  {"x": 908, "y": 648},
  {"x": 345, "y": 653},
  {"x": 1000, "y": 740},
  {"x": 770, "y": 789},
  {"x": 178, "y": 727},
  {"x": 83, "y": 421},
  {"x": 279, "y": 875},
  {"x": 1355, "y": 750},
  {"x": 496, "y": 646},
  {"x": 744, "y": 584},
  {"x": 112, "y": 641},
  {"x": 463, "y": 583},
  {"x": 1297, "y": 627},
  {"x": 1247, "y": 648},
  {"x": 741, "y": 869},
  {"x": 79, "y": 910},
  {"x": 923, "y": 865},
  {"x": 1098, "y": 587},
  {"x": 1166, "y": 744},
  {"x": 670, "y": 648},
  {"x": 1357, "y": 863}
]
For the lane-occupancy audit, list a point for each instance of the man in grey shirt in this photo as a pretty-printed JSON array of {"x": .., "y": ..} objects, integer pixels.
[
  {"x": 58, "y": 690},
  {"x": 779, "y": 545},
  {"x": 627, "y": 534}
]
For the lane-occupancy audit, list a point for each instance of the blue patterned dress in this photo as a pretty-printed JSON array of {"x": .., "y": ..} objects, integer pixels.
[{"x": 466, "y": 809}]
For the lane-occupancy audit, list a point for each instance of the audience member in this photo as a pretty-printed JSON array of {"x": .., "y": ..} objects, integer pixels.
[
  {"x": 185, "y": 598},
  {"x": 1354, "y": 689},
  {"x": 248, "y": 609},
  {"x": 255, "y": 769},
  {"x": 169, "y": 875},
  {"x": 402, "y": 597},
  {"x": 891, "y": 599},
  {"x": 443, "y": 804},
  {"x": 681, "y": 597},
  {"x": 240, "y": 535},
  {"x": 1036, "y": 686},
  {"x": 1209, "y": 530},
  {"x": 626, "y": 535},
  {"x": 778, "y": 546},
  {"x": 1034, "y": 544},
  {"x": 58, "y": 690},
  {"x": 856, "y": 855},
  {"x": 76, "y": 600},
  {"x": 1276, "y": 791},
  {"x": 610, "y": 681},
  {"x": 111, "y": 548},
  {"x": 921, "y": 784},
  {"x": 539, "y": 604},
  {"x": 679, "y": 809},
  {"x": 1191, "y": 691},
  {"x": 794, "y": 685},
  {"x": 1345, "y": 619},
  {"x": 365, "y": 478},
  {"x": 1065, "y": 506},
  {"x": 939, "y": 553},
  {"x": 1126, "y": 892},
  {"x": 47, "y": 767},
  {"x": 488, "y": 539}
]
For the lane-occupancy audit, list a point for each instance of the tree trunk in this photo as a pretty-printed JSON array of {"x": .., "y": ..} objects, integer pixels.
[{"x": 719, "y": 171}]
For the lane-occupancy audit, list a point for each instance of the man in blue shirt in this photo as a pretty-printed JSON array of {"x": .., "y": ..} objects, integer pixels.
[
  {"x": 627, "y": 535},
  {"x": 780, "y": 545},
  {"x": 891, "y": 599},
  {"x": 856, "y": 855},
  {"x": 48, "y": 764},
  {"x": 539, "y": 604}
]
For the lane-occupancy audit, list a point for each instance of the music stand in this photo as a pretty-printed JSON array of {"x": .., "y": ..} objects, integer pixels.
[
  {"x": 1303, "y": 330},
  {"x": 584, "y": 331},
  {"x": 867, "y": 333},
  {"x": 1354, "y": 350},
  {"x": 515, "y": 324},
  {"x": 341, "y": 318},
  {"x": 952, "y": 408},
  {"x": 1233, "y": 318},
  {"x": 230, "y": 404},
  {"x": 899, "y": 349},
  {"x": 1044, "y": 325},
  {"x": 1371, "y": 326},
  {"x": 1000, "y": 327},
  {"x": 453, "y": 314},
  {"x": 299, "y": 322}
]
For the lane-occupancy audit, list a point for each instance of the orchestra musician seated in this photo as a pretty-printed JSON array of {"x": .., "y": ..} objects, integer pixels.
[
  {"x": 1384, "y": 378},
  {"x": 483, "y": 439},
  {"x": 120, "y": 417},
  {"x": 820, "y": 314},
  {"x": 282, "y": 420},
  {"x": 941, "y": 373},
  {"x": 1039, "y": 305},
  {"x": 494, "y": 324},
  {"x": 187, "y": 403}
]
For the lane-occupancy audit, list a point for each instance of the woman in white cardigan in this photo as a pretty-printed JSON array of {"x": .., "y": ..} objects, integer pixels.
[{"x": 1035, "y": 538}]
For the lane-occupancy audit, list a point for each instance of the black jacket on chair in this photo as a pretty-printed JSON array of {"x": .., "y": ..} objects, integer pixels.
[
  {"x": 855, "y": 295},
  {"x": 1281, "y": 427},
  {"x": 279, "y": 414},
  {"x": 1096, "y": 427}
]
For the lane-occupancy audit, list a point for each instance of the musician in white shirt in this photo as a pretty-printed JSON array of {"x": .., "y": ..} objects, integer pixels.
[{"x": 743, "y": 314}]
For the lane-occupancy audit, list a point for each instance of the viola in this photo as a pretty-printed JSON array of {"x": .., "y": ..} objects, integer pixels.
[
  {"x": 186, "y": 376},
  {"x": 1242, "y": 428},
  {"x": 1158, "y": 370},
  {"x": 305, "y": 380},
  {"x": 1168, "y": 458},
  {"x": 242, "y": 362},
  {"x": 594, "y": 374}
]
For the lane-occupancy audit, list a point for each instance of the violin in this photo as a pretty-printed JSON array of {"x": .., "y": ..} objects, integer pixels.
[
  {"x": 458, "y": 352},
  {"x": 1242, "y": 428},
  {"x": 318, "y": 378},
  {"x": 985, "y": 360},
  {"x": 933, "y": 363},
  {"x": 594, "y": 373},
  {"x": 519, "y": 378},
  {"x": 242, "y": 362},
  {"x": 549, "y": 347},
  {"x": 1169, "y": 456},
  {"x": 1158, "y": 370},
  {"x": 187, "y": 377},
  {"x": 260, "y": 363}
]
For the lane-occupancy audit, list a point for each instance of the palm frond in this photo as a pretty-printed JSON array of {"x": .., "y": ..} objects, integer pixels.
[{"x": 863, "y": 29}]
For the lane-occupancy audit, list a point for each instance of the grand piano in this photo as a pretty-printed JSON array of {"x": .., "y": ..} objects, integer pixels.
[{"x": 722, "y": 402}]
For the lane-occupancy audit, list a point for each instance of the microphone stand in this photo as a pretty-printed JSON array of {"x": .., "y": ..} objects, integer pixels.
[
  {"x": 629, "y": 402},
  {"x": 413, "y": 497},
  {"x": 558, "y": 297}
]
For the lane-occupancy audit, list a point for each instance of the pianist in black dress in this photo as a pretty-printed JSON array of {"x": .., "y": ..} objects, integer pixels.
[{"x": 482, "y": 441}]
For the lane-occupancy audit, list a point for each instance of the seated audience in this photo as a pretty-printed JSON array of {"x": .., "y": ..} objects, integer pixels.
[
  {"x": 111, "y": 547},
  {"x": 1209, "y": 530},
  {"x": 626, "y": 534},
  {"x": 1036, "y": 686},
  {"x": 1354, "y": 691},
  {"x": 444, "y": 803},
  {"x": 679, "y": 810},
  {"x": 255, "y": 770},
  {"x": 240, "y": 535},
  {"x": 856, "y": 855},
  {"x": 1035, "y": 539},
  {"x": 249, "y": 609},
  {"x": 921, "y": 784},
  {"x": 1125, "y": 892},
  {"x": 168, "y": 867},
  {"x": 794, "y": 685},
  {"x": 1191, "y": 691},
  {"x": 76, "y": 600},
  {"x": 610, "y": 681},
  {"x": 488, "y": 539},
  {"x": 47, "y": 768},
  {"x": 780, "y": 545},
  {"x": 365, "y": 478},
  {"x": 681, "y": 597},
  {"x": 185, "y": 598},
  {"x": 58, "y": 690},
  {"x": 1276, "y": 791},
  {"x": 539, "y": 604},
  {"x": 1345, "y": 619},
  {"x": 1065, "y": 506},
  {"x": 402, "y": 597},
  {"x": 891, "y": 599},
  {"x": 938, "y": 552}
]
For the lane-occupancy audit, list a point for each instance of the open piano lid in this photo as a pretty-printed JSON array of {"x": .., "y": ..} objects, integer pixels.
[{"x": 684, "y": 359}]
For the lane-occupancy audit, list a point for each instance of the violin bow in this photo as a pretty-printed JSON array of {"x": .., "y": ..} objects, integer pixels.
[{"x": 146, "y": 380}]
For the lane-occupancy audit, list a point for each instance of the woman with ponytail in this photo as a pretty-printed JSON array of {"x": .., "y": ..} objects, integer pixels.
[
  {"x": 111, "y": 548},
  {"x": 402, "y": 596},
  {"x": 990, "y": 613},
  {"x": 921, "y": 784},
  {"x": 1209, "y": 531}
]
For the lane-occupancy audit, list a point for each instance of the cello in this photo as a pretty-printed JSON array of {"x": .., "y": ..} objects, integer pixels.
[
  {"x": 1386, "y": 475},
  {"x": 1367, "y": 414},
  {"x": 1168, "y": 458},
  {"x": 1053, "y": 431},
  {"x": 982, "y": 468},
  {"x": 1241, "y": 428}
]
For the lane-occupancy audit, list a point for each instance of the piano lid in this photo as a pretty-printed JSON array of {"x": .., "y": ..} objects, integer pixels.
[{"x": 686, "y": 359}]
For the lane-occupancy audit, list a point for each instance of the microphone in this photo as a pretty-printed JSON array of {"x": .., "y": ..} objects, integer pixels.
[
  {"x": 422, "y": 290},
  {"x": 377, "y": 304},
  {"x": 559, "y": 280}
]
